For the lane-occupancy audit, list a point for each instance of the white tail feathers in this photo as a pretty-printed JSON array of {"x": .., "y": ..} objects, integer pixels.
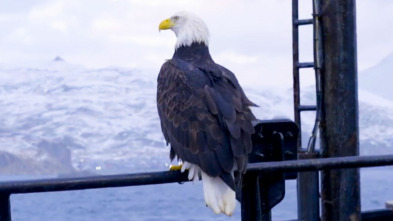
[{"x": 218, "y": 195}]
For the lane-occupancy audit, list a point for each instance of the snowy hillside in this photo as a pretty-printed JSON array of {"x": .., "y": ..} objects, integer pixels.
[
  {"x": 376, "y": 107},
  {"x": 378, "y": 79},
  {"x": 105, "y": 117},
  {"x": 376, "y": 124},
  {"x": 61, "y": 118},
  {"x": 375, "y": 121}
]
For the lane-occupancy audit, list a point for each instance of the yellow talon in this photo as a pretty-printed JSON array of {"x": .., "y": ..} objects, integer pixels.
[{"x": 175, "y": 167}]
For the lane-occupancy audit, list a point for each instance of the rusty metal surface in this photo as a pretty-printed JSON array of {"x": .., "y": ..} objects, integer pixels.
[
  {"x": 339, "y": 124},
  {"x": 308, "y": 194}
]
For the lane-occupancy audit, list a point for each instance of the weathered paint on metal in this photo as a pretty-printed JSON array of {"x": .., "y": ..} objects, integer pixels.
[
  {"x": 308, "y": 193},
  {"x": 339, "y": 117}
]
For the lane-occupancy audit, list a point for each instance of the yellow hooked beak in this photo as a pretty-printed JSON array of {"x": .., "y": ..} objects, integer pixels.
[{"x": 166, "y": 24}]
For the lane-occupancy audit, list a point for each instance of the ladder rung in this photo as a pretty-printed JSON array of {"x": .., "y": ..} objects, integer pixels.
[
  {"x": 307, "y": 107},
  {"x": 305, "y": 65},
  {"x": 303, "y": 22}
]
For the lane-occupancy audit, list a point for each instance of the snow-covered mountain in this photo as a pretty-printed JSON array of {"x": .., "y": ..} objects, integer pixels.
[
  {"x": 375, "y": 121},
  {"x": 376, "y": 107},
  {"x": 378, "y": 79},
  {"x": 61, "y": 118},
  {"x": 106, "y": 118}
]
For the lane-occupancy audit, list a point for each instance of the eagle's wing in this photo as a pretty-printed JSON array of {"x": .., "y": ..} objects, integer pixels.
[{"x": 205, "y": 117}]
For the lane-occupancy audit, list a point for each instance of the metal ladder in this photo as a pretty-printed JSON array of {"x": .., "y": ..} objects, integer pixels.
[
  {"x": 297, "y": 65},
  {"x": 308, "y": 182}
]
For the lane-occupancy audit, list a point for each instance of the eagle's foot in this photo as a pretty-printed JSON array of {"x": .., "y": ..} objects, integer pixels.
[
  {"x": 193, "y": 170},
  {"x": 175, "y": 167}
]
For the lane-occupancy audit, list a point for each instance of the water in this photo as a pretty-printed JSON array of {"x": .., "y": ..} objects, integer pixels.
[
  {"x": 154, "y": 202},
  {"x": 168, "y": 202}
]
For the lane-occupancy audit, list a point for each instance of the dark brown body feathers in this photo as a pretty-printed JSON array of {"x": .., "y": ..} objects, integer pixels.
[{"x": 205, "y": 115}]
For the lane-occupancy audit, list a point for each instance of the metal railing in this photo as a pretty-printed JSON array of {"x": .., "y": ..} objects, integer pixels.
[{"x": 81, "y": 183}]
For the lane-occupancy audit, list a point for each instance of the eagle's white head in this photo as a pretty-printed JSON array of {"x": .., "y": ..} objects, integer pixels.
[{"x": 188, "y": 28}]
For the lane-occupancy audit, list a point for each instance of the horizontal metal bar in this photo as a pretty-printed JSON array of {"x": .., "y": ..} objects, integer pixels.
[
  {"x": 305, "y": 65},
  {"x": 373, "y": 215},
  {"x": 307, "y": 107},
  {"x": 55, "y": 184},
  {"x": 376, "y": 215},
  {"x": 322, "y": 164},
  {"x": 62, "y": 184},
  {"x": 303, "y": 22}
]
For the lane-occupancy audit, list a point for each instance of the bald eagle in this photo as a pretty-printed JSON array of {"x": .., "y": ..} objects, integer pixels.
[{"x": 205, "y": 115}]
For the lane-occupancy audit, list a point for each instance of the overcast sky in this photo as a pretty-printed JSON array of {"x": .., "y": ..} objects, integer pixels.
[{"x": 251, "y": 37}]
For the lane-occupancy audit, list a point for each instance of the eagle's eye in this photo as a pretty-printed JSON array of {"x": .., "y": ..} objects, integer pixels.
[{"x": 175, "y": 18}]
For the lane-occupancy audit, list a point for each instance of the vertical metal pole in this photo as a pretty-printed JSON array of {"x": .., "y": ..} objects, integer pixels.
[
  {"x": 5, "y": 208},
  {"x": 295, "y": 54},
  {"x": 250, "y": 201},
  {"x": 339, "y": 123},
  {"x": 308, "y": 192}
]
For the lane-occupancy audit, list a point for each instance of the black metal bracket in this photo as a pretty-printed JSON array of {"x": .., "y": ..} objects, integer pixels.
[
  {"x": 274, "y": 140},
  {"x": 5, "y": 207}
]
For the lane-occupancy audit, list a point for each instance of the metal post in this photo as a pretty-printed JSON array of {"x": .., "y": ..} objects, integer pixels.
[
  {"x": 295, "y": 54},
  {"x": 308, "y": 192},
  {"x": 251, "y": 202},
  {"x": 5, "y": 208},
  {"x": 339, "y": 124}
]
